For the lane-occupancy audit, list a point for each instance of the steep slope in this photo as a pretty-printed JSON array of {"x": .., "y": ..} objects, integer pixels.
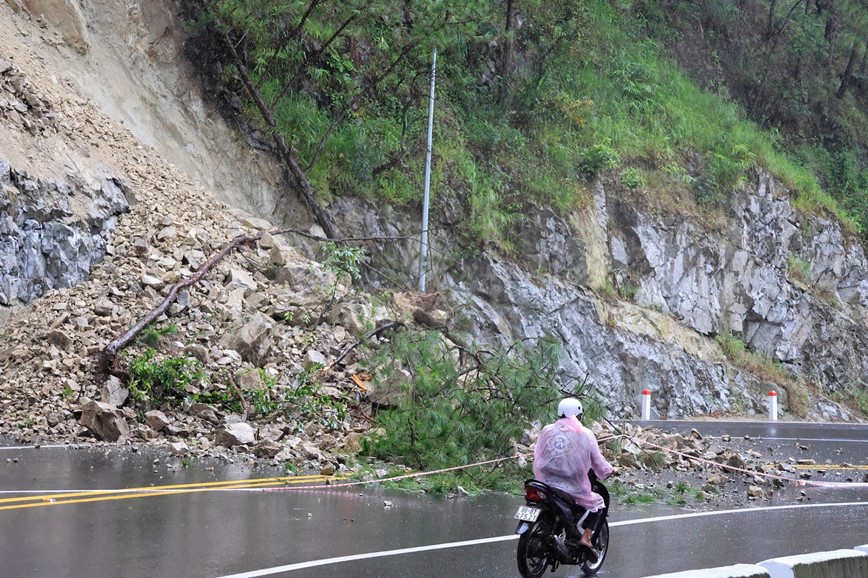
[{"x": 58, "y": 149}]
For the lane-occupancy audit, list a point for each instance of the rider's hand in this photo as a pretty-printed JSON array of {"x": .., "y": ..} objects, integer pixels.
[{"x": 616, "y": 471}]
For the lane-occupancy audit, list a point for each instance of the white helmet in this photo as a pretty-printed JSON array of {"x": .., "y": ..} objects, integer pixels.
[{"x": 570, "y": 406}]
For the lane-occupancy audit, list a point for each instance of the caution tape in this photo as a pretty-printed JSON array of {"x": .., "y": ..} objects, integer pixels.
[
  {"x": 785, "y": 479},
  {"x": 39, "y": 498}
]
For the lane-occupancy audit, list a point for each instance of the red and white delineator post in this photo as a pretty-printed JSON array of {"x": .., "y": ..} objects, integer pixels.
[
  {"x": 646, "y": 404},
  {"x": 773, "y": 405}
]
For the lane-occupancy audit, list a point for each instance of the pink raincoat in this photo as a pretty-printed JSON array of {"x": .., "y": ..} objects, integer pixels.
[{"x": 564, "y": 453}]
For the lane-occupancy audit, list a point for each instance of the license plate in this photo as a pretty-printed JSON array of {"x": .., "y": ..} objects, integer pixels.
[{"x": 527, "y": 514}]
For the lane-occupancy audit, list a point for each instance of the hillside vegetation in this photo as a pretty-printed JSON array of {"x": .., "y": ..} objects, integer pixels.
[{"x": 680, "y": 99}]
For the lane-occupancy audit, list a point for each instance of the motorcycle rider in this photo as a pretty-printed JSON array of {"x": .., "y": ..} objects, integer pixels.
[{"x": 564, "y": 453}]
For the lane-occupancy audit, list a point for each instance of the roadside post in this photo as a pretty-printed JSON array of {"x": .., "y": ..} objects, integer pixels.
[
  {"x": 646, "y": 404},
  {"x": 773, "y": 405}
]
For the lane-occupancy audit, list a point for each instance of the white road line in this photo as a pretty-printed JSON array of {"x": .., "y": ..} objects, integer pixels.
[
  {"x": 370, "y": 555},
  {"x": 327, "y": 561}
]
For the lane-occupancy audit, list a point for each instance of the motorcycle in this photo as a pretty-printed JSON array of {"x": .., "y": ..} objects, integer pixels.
[{"x": 542, "y": 527}]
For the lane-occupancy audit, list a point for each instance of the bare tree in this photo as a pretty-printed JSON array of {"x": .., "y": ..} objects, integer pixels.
[
  {"x": 509, "y": 44},
  {"x": 848, "y": 71}
]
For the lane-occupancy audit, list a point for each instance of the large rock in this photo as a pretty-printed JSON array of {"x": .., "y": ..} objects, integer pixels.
[
  {"x": 113, "y": 391},
  {"x": 253, "y": 340},
  {"x": 104, "y": 420},
  {"x": 157, "y": 420},
  {"x": 235, "y": 434}
]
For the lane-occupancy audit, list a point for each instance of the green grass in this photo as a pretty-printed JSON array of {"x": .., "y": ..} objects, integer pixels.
[
  {"x": 767, "y": 370},
  {"x": 597, "y": 94}
]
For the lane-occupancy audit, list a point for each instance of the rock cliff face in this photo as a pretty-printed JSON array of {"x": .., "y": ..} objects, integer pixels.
[
  {"x": 52, "y": 232},
  {"x": 639, "y": 299}
]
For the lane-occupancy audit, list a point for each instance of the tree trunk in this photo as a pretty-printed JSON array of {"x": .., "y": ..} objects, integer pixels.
[
  {"x": 322, "y": 217},
  {"x": 770, "y": 25},
  {"x": 864, "y": 64},
  {"x": 833, "y": 25},
  {"x": 848, "y": 72},
  {"x": 506, "y": 65},
  {"x": 758, "y": 93}
]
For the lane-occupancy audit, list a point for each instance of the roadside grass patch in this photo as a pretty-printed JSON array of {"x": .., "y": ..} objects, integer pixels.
[{"x": 767, "y": 370}]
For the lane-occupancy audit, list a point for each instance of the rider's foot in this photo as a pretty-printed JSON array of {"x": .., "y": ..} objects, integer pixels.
[{"x": 593, "y": 555}]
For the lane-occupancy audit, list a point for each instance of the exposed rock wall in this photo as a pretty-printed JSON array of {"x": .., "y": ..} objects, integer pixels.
[
  {"x": 790, "y": 286},
  {"x": 638, "y": 300},
  {"x": 52, "y": 232}
]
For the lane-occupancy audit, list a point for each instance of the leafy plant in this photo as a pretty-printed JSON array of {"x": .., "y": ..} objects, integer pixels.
[
  {"x": 597, "y": 158},
  {"x": 343, "y": 259},
  {"x": 304, "y": 402},
  {"x": 165, "y": 379},
  {"x": 632, "y": 178},
  {"x": 451, "y": 414}
]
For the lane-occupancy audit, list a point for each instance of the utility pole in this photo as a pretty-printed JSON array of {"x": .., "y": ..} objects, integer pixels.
[{"x": 423, "y": 254}]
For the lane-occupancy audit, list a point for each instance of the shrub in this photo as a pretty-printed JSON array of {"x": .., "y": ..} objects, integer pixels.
[
  {"x": 632, "y": 178},
  {"x": 597, "y": 158},
  {"x": 163, "y": 380}
]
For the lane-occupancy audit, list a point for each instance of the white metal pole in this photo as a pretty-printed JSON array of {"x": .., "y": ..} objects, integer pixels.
[
  {"x": 423, "y": 255},
  {"x": 773, "y": 406},
  {"x": 646, "y": 404}
]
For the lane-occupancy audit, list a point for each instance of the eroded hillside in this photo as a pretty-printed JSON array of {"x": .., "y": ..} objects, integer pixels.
[{"x": 639, "y": 298}]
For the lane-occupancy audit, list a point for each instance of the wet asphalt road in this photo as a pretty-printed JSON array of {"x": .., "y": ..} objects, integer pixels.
[{"x": 220, "y": 533}]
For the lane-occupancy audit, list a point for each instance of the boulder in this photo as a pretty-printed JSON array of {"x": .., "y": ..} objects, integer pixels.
[
  {"x": 253, "y": 340},
  {"x": 104, "y": 420},
  {"x": 235, "y": 434},
  {"x": 267, "y": 449},
  {"x": 249, "y": 379},
  {"x": 113, "y": 392},
  {"x": 157, "y": 420},
  {"x": 67, "y": 17},
  {"x": 313, "y": 358},
  {"x": 203, "y": 411}
]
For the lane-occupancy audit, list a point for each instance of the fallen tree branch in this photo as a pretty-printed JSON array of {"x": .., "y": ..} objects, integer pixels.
[
  {"x": 108, "y": 356},
  {"x": 368, "y": 335}
]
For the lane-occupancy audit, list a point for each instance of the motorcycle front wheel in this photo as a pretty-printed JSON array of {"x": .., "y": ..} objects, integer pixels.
[
  {"x": 601, "y": 542},
  {"x": 533, "y": 555}
]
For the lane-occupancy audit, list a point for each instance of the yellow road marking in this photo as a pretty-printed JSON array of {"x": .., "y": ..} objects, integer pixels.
[
  {"x": 287, "y": 479},
  {"x": 148, "y": 491}
]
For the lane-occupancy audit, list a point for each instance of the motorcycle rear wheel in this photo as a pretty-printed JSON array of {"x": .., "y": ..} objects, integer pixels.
[
  {"x": 533, "y": 555},
  {"x": 602, "y": 545}
]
